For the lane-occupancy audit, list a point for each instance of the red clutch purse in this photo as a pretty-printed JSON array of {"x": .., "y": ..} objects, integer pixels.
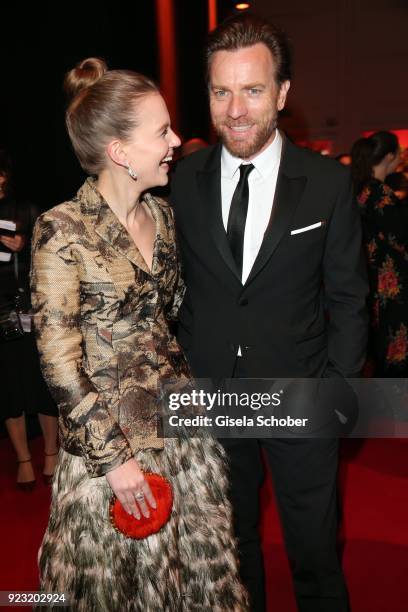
[{"x": 131, "y": 527}]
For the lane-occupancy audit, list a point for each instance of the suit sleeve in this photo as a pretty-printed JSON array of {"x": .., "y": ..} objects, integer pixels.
[
  {"x": 346, "y": 287},
  {"x": 56, "y": 304}
]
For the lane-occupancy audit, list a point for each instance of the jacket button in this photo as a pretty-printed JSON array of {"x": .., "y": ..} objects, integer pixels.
[{"x": 243, "y": 302}]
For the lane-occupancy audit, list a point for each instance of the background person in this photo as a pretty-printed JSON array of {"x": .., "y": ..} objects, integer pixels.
[
  {"x": 23, "y": 389},
  {"x": 385, "y": 225},
  {"x": 192, "y": 145}
]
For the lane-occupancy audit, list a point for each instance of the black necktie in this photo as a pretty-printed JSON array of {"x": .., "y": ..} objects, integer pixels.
[{"x": 237, "y": 216}]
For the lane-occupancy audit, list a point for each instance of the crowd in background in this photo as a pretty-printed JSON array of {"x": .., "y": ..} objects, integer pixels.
[{"x": 23, "y": 390}]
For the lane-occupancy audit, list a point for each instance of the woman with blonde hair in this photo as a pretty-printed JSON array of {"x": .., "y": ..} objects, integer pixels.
[{"x": 105, "y": 283}]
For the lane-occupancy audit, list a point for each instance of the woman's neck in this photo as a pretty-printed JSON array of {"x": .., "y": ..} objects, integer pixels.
[
  {"x": 123, "y": 197},
  {"x": 380, "y": 172}
]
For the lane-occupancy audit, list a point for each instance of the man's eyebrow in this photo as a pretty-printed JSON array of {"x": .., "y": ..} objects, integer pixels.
[
  {"x": 245, "y": 86},
  {"x": 253, "y": 85}
]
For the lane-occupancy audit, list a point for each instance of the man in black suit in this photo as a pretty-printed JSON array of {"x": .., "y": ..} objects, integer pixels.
[{"x": 270, "y": 239}]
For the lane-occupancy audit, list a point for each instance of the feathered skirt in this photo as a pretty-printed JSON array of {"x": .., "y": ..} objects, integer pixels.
[{"x": 190, "y": 565}]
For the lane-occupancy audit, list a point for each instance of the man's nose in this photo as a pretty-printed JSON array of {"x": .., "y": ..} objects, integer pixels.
[{"x": 237, "y": 107}]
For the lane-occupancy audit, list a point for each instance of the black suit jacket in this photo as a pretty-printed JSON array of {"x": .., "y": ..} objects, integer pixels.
[{"x": 301, "y": 313}]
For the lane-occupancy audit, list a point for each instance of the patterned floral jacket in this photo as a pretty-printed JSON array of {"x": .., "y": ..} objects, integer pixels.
[{"x": 101, "y": 319}]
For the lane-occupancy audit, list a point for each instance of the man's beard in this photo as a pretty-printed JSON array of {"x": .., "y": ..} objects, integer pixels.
[{"x": 246, "y": 149}]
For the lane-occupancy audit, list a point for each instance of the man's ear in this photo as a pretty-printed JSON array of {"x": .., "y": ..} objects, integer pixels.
[
  {"x": 283, "y": 92},
  {"x": 115, "y": 152}
]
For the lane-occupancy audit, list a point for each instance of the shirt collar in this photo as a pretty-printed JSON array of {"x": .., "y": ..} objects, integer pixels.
[{"x": 264, "y": 163}]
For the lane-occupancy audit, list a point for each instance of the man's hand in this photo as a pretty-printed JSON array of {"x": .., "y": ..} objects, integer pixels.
[
  {"x": 132, "y": 490},
  {"x": 15, "y": 243}
]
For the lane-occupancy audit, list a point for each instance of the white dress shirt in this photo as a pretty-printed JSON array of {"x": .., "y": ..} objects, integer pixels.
[{"x": 262, "y": 185}]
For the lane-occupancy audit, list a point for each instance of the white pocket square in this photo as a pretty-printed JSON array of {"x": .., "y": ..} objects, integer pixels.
[{"x": 307, "y": 228}]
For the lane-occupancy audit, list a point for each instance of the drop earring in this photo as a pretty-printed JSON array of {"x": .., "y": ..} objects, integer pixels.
[{"x": 131, "y": 172}]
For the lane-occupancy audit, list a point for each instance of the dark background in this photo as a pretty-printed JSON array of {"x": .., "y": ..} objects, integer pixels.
[
  {"x": 350, "y": 66},
  {"x": 39, "y": 44}
]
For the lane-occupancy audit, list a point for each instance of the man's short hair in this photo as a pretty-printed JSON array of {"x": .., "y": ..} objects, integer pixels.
[{"x": 246, "y": 30}]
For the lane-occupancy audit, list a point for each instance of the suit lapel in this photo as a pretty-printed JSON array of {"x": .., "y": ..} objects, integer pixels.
[
  {"x": 209, "y": 187},
  {"x": 289, "y": 188}
]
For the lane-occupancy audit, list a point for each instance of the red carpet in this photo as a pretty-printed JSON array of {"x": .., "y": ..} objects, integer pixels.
[{"x": 374, "y": 485}]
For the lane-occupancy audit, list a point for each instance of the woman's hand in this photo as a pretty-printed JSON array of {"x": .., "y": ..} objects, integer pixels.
[
  {"x": 132, "y": 490},
  {"x": 15, "y": 243}
]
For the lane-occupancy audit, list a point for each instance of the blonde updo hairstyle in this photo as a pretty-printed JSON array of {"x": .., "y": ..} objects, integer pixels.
[{"x": 102, "y": 107}]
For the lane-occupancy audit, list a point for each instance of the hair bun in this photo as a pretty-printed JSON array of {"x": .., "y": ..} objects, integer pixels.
[{"x": 85, "y": 74}]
